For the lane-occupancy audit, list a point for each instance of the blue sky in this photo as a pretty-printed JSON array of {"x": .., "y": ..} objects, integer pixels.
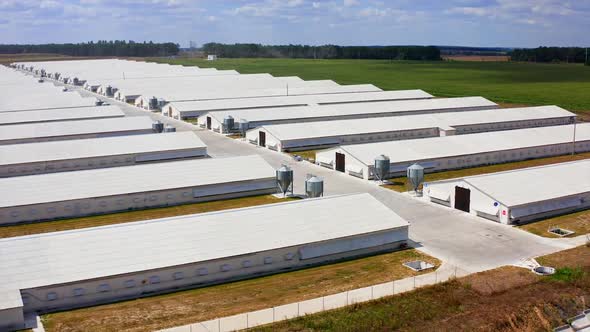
[{"x": 509, "y": 23}]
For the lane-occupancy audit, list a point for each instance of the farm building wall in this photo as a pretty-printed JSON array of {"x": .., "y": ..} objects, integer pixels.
[
  {"x": 275, "y": 143},
  {"x": 134, "y": 285},
  {"x": 135, "y": 201},
  {"x": 485, "y": 206},
  {"x": 327, "y": 159}
]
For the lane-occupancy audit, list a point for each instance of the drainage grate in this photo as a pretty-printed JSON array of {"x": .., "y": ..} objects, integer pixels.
[
  {"x": 419, "y": 265},
  {"x": 560, "y": 231}
]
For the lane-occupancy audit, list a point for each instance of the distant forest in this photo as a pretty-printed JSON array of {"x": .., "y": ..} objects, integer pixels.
[
  {"x": 550, "y": 54},
  {"x": 323, "y": 52},
  {"x": 99, "y": 48}
]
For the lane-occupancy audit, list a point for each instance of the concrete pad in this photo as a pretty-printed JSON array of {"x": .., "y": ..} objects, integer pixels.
[{"x": 207, "y": 326}]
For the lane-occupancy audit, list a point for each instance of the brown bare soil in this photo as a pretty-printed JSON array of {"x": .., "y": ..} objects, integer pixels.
[
  {"x": 505, "y": 299},
  {"x": 579, "y": 222}
]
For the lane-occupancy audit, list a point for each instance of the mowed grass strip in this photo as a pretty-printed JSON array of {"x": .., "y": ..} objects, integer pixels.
[
  {"x": 185, "y": 307},
  {"x": 124, "y": 217},
  {"x": 400, "y": 184},
  {"x": 579, "y": 222},
  {"x": 565, "y": 85},
  {"x": 505, "y": 299}
]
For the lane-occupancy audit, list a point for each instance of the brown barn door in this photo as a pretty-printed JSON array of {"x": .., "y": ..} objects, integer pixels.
[
  {"x": 261, "y": 138},
  {"x": 462, "y": 199},
  {"x": 208, "y": 122},
  {"x": 340, "y": 162}
]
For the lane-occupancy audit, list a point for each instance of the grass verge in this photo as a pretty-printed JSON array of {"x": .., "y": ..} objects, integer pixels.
[
  {"x": 579, "y": 222},
  {"x": 196, "y": 305},
  {"x": 400, "y": 184},
  {"x": 124, "y": 217},
  {"x": 504, "y": 299}
]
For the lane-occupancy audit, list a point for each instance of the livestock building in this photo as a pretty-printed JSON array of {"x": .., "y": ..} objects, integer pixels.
[
  {"x": 130, "y": 260},
  {"x": 313, "y": 135},
  {"x": 74, "y": 155},
  {"x": 279, "y": 115},
  {"x": 195, "y": 108},
  {"x": 226, "y": 91},
  {"x": 61, "y": 114},
  {"x": 454, "y": 152},
  {"x": 57, "y": 131},
  {"x": 518, "y": 196},
  {"x": 99, "y": 191}
]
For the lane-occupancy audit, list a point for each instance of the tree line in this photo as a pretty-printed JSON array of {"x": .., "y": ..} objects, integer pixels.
[
  {"x": 323, "y": 52},
  {"x": 99, "y": 48},
  {"x": 551, "y": 54}
]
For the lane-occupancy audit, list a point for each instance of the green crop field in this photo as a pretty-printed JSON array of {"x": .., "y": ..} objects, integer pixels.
[{"x": 566, "y": 85}]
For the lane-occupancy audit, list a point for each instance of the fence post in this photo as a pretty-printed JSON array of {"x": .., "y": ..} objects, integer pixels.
[
  {"x": 298, "y": 309},
  {"x": 247, "y": 320},
  {"x": 273, "y": 315},
  {"x": 372, "y": 296},
  {"x": 414, "y": 282},
  {"x": 347, "y": 302},
  {"x": 393, "y": 287},
  {"x": 323, "y": 303}
]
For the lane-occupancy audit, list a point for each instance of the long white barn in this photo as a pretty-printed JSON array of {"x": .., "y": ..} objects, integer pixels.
[
  {"x": 57, "y": 131},
  {"x": 195, "y": 108},
  {"x": 518, "y": 196},
  {"x": 281, "y": 115},
  {"x": 75, "y": 155},
  {"x": 129, "y": 260},
  {"x": 61, "y": 114},
  {"x": 461, "y": 151},
  {"x": 99, "y": 191},
  {"x": 313, "y": 135}
]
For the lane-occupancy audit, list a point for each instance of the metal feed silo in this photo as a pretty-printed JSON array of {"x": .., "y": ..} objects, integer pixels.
[
  {"x": 243, "y": 126},
  {"x": 153, "y": 103},
  {"x": 415, "y": 174},
  {"x": 285, "y": 179},
  {"x": 109, "y": 91},
  {"x": 228, "y": 123},
  {"x": 382, "y": 164},
  {"x": 314, "y": 186},
  {"x": 169, "y": 129},
  {"x": 158, "y": 126}
]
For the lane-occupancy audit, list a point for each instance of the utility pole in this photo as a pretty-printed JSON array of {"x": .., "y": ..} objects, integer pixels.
[{"x": 586, "y": 62}]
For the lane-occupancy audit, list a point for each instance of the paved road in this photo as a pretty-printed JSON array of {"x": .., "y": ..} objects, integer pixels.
[{"x": 471, "y": 243}]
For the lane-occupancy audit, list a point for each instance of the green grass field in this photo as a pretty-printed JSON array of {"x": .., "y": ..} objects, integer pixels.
[{"x": 566, "y": 85}]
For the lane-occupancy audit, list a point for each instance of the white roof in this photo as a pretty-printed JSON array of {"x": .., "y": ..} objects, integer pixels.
[
  {"x": 424, "y": 149},
  {"x": 56, "y": 187},
  {"x": 41, "y": 101},
  {"x": 98, "y": 147},
  {"x": 394, "y": 107},
  {"x": 60, "y": 114},
  {"x": 56, "y": 258},
  {"x": 293, "y": 131},
  {"x": 67, "y": 128},
  {"x": 300, "y": 100},
  {"x": 535, "y": 184}
]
